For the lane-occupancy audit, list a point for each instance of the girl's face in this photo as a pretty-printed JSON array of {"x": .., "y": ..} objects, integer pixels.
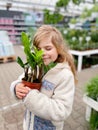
[{"x": 50, "y": 53}]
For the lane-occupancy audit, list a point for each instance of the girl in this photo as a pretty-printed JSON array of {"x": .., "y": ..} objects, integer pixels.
[{"x": 48, "y": 108}]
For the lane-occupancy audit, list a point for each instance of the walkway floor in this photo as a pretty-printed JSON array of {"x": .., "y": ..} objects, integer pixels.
[{"x": 12, "y": 111}]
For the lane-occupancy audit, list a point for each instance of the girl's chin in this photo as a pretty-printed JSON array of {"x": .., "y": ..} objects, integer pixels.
[{"x": 47, "y": 63}]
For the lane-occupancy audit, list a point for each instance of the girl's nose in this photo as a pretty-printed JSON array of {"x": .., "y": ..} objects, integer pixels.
[{"x": 44, "y": 52}]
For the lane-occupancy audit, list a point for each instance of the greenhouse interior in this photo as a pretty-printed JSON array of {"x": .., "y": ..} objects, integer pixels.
[{"x": 77, "y": 21}]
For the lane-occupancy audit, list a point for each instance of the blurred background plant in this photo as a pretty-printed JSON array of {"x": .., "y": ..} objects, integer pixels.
[
  {"x": 80, "y": 39},
  {"x": 91, "y": 89}
]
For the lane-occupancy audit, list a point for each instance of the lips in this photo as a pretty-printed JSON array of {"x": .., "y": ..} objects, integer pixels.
[
  {"x": 46, "y": 57},
  {"x": 46, "y": 61}
]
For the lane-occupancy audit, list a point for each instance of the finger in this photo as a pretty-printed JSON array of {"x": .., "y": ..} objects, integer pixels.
[
  {"x": 21, "y": 85},
  {"x": 28, "y": 88},
  {"x": 19, "y": 97},
  {"x": 20, "y": 94},
  {"x": 22, "y": 89}
]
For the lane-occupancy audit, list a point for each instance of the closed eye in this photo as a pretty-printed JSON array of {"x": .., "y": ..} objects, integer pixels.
[{"x": 48, "y": 48}]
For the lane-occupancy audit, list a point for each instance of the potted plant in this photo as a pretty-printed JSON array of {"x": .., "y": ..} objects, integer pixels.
[
  {"x": 91, "y": 99},
  {"x": 34, "y": 68}
]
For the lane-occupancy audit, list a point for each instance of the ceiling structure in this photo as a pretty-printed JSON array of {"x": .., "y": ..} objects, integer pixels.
[
  {"x": 29, "y": 4},
  {"x": 39, "y": 5}
]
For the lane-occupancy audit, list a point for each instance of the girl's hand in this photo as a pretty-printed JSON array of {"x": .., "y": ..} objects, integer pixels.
[{"x": 21, "y": 90}]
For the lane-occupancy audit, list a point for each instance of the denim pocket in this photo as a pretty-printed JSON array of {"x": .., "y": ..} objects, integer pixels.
[{"x": 42, "y": 124}]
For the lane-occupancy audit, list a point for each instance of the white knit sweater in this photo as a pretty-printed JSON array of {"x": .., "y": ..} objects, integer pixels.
[{"x": 53, "y": 103}]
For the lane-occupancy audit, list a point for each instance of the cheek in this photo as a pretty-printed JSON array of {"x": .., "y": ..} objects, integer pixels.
[{"x": 55, "y": 55}]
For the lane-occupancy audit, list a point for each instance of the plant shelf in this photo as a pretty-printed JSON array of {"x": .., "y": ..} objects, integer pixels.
[
  {"x": 90, "y": 104},
  {"x": 80, "y": 55}
]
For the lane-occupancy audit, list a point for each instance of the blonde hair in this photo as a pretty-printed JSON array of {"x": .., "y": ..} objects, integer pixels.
[{"x": 47, "y": 31}]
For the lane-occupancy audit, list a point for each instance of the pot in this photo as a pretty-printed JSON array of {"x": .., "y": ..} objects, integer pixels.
[{"x": 32, "y": 85}]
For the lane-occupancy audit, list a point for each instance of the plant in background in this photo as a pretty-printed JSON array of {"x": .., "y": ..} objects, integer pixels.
[
  {"x": 92, "y": 88},
  {"x": 94, "y": 38},
  {"x": 94, "y": 120},
  {"x": 95, "y": 8},
  {"x": 92, "y": 92},
  {"x": 64, "y": 3},
  {"x": 52, "y": 17},
  {"x": 89, "y": 39},
  {"x": 73, "y": 21}
]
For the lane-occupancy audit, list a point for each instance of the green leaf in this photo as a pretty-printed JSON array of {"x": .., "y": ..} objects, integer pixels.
[
  {"x": 48, "y": 67},
  {"x": 25, "y": 39},
  {"x": 26, "y": 42},
  {"x": 37, "y": 54},
  {"x": 20, "y": 62}
]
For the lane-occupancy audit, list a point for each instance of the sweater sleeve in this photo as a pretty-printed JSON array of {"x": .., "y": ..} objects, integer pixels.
[
  {"x": 13, "y": 84},
  {"x": 56, "y": 108}
]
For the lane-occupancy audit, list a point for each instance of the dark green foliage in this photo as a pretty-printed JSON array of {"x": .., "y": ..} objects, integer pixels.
[
  {"x": 20, "y": 62},
  {"x": 52, "y": 18},
  {"x": 47, "y": 68},
  {"x": 92, "y": 92},
  {"x": 64, "y": 3},
  {"x": 94, "y": 36},
  {"x": 93, "y": 120},
  {"x": 92, "y": 88}
]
